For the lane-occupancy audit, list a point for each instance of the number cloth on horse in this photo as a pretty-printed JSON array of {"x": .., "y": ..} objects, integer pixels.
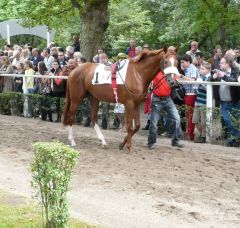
[{"x": 103, "y": 76}]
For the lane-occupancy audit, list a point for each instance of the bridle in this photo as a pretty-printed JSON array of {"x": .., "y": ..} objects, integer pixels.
[{"x": 172, "y": 70}]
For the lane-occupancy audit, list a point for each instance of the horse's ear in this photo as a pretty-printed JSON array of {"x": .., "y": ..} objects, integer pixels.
[
  {"x": 176, "y": 49},
  {"x": 165, "y": 48}
]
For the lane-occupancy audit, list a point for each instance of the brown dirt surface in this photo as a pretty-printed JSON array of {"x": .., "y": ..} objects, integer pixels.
[{"x": 197, "y": 186}]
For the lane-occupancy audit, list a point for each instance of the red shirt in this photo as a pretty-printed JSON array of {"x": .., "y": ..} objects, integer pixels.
[
  {"x": 131, "y": 52},
  {"x": 161, "y": 85}
]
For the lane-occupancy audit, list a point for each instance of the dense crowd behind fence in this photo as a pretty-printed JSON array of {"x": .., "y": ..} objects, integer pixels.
[{"x": 211, "y": 113}]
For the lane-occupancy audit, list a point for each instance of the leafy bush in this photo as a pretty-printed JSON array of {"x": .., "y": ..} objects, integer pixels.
[
  {"x": 52, "y": 168},
  {"x": 11, "y": 103}
]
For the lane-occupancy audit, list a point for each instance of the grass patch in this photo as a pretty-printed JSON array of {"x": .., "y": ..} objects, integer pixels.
[{"x": 20, "y": 212}]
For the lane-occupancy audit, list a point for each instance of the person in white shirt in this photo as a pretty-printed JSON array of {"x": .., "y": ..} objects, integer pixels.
[{"x": 48, "y": 59}]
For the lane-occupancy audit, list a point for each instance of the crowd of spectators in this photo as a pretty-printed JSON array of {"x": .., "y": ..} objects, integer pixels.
[{"x": 193, "y": 66}]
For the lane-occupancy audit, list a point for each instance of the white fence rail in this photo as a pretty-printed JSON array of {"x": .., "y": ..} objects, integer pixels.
[{"x": 210, "y": 103}]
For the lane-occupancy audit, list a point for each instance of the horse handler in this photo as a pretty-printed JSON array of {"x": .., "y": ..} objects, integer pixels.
[{"x": 162, "y": 101}]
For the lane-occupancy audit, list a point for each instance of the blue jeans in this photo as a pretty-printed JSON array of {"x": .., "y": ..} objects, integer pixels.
[
  {"x": 230, "y": 113},
  {"x": 160, "y": 104},
  {"x": 30, "y": 90}
]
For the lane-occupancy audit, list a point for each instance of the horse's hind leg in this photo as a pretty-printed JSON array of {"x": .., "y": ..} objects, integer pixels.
[
  {"x": 94, "y": 111},
  {"x": 72, "y": 111},
  {"x": 76, "y": 101}
]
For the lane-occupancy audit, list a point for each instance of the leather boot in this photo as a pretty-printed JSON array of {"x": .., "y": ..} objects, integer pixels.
[{"x": 87, "y": 122}]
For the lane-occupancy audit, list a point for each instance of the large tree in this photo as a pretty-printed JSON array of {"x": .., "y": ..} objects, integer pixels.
[
  {"x": 210, "y": 22},
  {"x": 93, "y": 14},
  {"x": 157, "y": 22}
]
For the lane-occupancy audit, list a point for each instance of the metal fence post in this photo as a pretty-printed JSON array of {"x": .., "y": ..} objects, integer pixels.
[
  {"x": 209, "y": 112},
  {"x": 25, "y": 104}
]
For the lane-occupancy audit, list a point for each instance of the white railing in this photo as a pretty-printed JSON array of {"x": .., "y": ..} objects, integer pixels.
[
  {"x": 34, "y": 76},
  {"x": 209, "y": 104}
]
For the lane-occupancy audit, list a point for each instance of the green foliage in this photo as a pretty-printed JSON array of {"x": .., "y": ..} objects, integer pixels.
[
  {"x": 128, "y": 19},
  {"x": 17, "y": 211},
  {"x": 11, "y": 103},
  {"x": 209, "y": 22},
  {"x": 52, "y": 168}
]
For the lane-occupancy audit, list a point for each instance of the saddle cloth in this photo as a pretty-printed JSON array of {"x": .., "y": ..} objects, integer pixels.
[{"x": 105, "y": 76}]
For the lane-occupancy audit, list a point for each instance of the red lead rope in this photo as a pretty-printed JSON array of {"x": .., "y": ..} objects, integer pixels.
[{"x": 114, "y": 81}]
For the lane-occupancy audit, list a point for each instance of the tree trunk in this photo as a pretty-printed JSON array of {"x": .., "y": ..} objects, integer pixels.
[{"x": 94, "y": 22}]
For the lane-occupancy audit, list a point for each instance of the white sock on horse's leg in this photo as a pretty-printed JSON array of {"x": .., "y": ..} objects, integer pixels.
[
  {"x": 99, "y": 134},
  {"x": 70, "y": 136}
]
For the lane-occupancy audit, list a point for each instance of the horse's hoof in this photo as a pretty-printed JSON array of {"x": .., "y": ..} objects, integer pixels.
[
  {"x": 120, "y": 146},
  {"x": 104, "y": 146},
  {"x": 73, "y": 144}
]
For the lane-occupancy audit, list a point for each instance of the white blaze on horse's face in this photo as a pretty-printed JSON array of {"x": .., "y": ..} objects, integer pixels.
[
  {"x": 171, "y": 71},
  {"x": 171, "y": 60}
]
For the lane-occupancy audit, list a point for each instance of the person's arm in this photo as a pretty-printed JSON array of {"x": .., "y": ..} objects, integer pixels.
[
  {"x": 226, "y": 78},
  {"x": 185, "y": 78},
  {"x": 9, "y": 70}
]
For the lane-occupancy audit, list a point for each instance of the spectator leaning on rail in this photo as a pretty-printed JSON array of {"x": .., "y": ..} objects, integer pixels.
[
  {"x": 191, "y": 73},
  {"x": 229, "y": 99},
  {"x": 58, "y": 87},
  {"x": 18, "y": 81},
  {"x": 44, "y": 88},
  {"x": 6, "y": 83},
  {"x": 30, "y": 86}
]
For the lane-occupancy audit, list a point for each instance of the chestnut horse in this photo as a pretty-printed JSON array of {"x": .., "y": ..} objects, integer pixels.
[{"x": 140, "y": 73}]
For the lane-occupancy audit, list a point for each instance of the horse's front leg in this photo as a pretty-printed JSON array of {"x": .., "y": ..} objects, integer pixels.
[
  {"x": 70, "y": 136},
  {"x": 136, "y": 119},
  {"x": 94, "y": 111},
  {"x": 132, "y": 128}
]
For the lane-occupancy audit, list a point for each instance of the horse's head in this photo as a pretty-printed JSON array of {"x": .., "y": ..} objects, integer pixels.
[{"x": 170, "y": 65}]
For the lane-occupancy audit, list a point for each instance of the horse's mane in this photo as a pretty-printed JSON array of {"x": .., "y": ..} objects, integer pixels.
[{"x": 144, "y": 54}]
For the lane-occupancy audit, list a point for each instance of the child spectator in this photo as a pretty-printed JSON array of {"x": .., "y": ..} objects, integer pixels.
[
  {"x": 199, "y": 112},
  {"x": 18, "y": 81}
]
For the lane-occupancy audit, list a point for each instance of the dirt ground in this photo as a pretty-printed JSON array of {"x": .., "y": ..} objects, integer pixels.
[{"x": 198, "y": 186}]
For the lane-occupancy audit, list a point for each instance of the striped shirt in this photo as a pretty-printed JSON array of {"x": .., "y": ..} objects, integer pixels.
[
  {"x": 202, "y": 93},
  {"x": 191, "y": 72}
]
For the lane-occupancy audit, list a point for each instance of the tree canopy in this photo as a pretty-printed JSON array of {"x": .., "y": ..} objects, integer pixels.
[{"x": 112, "y": 22}]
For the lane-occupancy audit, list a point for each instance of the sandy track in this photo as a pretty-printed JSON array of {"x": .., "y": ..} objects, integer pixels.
[{"x": 198, "y": 186}]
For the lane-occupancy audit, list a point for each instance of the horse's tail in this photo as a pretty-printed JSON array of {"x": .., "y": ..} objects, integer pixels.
[{"x": 67, "y": 106}]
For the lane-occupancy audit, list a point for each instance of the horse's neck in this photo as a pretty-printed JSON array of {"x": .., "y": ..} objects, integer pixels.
[{"x": 149, "y": 68}]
